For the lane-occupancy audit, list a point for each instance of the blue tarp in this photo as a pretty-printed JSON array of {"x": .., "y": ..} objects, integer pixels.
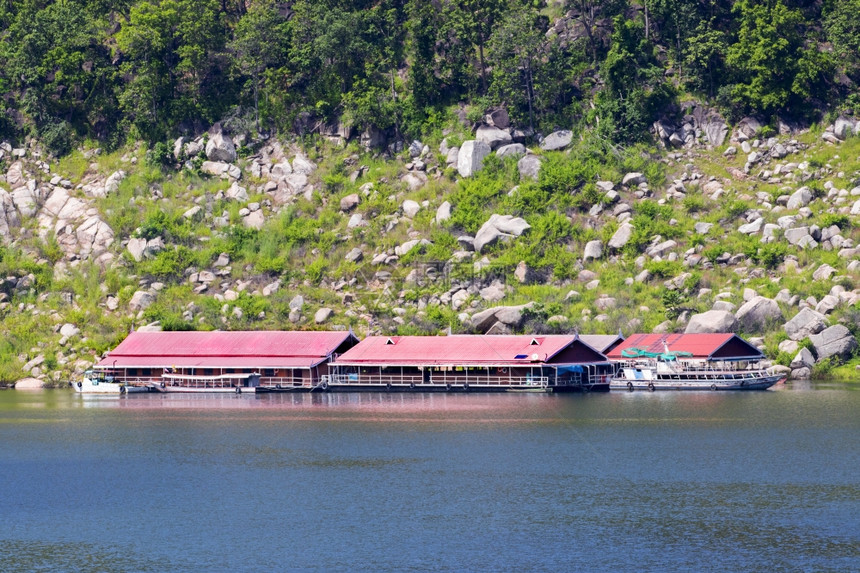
[{"x": 566, "y": 369}]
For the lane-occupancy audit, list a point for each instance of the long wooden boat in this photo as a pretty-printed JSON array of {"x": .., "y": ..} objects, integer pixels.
[
  {"x": 669, "y": 371},
  {"x": 225, "y": 383}
]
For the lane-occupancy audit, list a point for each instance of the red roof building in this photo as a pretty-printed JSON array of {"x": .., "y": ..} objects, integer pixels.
[
  {"x": 706, "y": 347},
  {"x": 279, "y": 356},
  {"x": 470, "y": 361}
]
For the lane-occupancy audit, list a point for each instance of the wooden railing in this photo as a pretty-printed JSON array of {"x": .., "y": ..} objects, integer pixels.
[{"x": 417, "y": 381}]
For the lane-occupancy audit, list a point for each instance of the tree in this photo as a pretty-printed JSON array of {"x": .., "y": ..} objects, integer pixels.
[
  {"x": 595, "y": 17},
  {"x": 517, "y": 50},
  {"x": 258, "y": 41},
  {"x": 634, "y": 89},
  {"x": 772, "y": 66},
  {"x": 705, "y": 56},
  {"x": 169, "y": 64},
  {"x": 842, "y": 27},
  {"x": 474, "y": 21}
]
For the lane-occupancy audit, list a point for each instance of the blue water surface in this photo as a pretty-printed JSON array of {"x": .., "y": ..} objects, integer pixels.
[{"x": 758, "y": 481}]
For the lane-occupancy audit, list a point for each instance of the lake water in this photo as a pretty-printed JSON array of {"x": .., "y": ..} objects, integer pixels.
[{"x": 760, "y": 481}]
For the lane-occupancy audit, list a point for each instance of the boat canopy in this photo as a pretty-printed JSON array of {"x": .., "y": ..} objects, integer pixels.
[{"x": 667, "y": 356}]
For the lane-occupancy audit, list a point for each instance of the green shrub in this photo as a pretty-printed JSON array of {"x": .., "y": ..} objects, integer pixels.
[
  {"x": 170, "y": 263},
  {"x": 840, "y": 220},
  {"x": 314, "y": 271},
  {"x": 664, "y": 269},
  {"x": 160, "y": 155}
]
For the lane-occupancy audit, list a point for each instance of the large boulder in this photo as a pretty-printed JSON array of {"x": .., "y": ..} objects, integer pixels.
[
  {"x": 834, "y": 341},
  {"x": 621, "y": 236},
  {"x": 593, "y": 250},
  {"x": 220, "y": 148},
  {"x": 800, "y": 198},
  {"x": 557, "y": 140},
  {"x": 497, "y": 227},
  {"x": 443, "y": 213},
  {"x": 93, "y": 236},
  {"x": 493, "y": 136},
  {"x": 757, "y": 312},
  {"x": 712, "y": 321},
  {"x": 8, "y": 215},
  {"x": 508, "y": 315},
  {"x": 529, "y": 167},
  {"x": 470, "y": 158},
  {"x": 512, "y": 150},
  {"x": 141, "y": 300},
  {"x": 842, "y": 128},
  {"x": 804, "y": 359},
  {"x": 29, "y": 384},
  {"x": 715, "y": 130},
  {"x": 804, "y": 324}
]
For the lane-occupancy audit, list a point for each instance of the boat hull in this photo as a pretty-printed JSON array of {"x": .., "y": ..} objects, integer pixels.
[
  {"x": 680, "y": 383},
  {"x": 189, "y": 390},
  {"x": 88, "y": 387}
]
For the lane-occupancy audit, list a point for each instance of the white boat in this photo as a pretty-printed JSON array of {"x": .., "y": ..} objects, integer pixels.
[
  {"x": 104, "y": 382},
  {"x": 190, "y": 384},
  {"x": 669, "y": 371}
]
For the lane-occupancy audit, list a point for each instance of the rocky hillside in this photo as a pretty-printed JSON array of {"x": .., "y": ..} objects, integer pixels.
[{"x": 479, "y": 228}]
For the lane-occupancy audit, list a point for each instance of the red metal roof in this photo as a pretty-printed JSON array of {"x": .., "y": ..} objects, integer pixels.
[
  {"x": 702, "y": 346},
  {"x": 458, "y": 350},
  {"x": 260, "y": 349}
]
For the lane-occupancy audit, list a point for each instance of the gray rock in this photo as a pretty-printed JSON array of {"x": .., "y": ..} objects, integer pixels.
[
  {"x": 135, "y": 248},
  {"x": 702, "y": 228},
  {"x": 493, "y": 136},
  {"x": 724, "y": 305},
  {"x": 712, "y": 321},
  {"x": 823, "y": 273},
  {"x": 834, "y": 341},
  {"x": 281, "y": 170},
  {"x": 751, "y": 228},
  {"x": 757, "y": 313},
  {"x": 715, "y": 131},
  {"x": 195, "y": 213},
  {"x": 804, "y": 324},
  {"x": 141, "y": 300},
  {"x": 633, "y": 179},
  {"x": 323, "y": 315},
  {"x": 493, "y": 293},
  {"x": 355, "y": 221},
  {"x": 507, "y": 315},
  {"x": 443, "y": 213},
  {"x": 297, "y": 303},
  {"x": 557, "y": 140},
  {"x": 529, "y": 167},
  {"x": 470, "y": 158},
  {"x": 414, "y": 180},
  {"x": 69, "y": 330},
  {"x": 214, "y": 168},
  {"x": 804, "y": 359},
  {"x": 497, "y": 227},
  {"x": 220, "y": 148},
  {"x": 512, "y": 150},
  {"x": 409, "y": 245},
  {"x": 350, "y": 202},
  {"x": 593, "y": 250},
  {"x": 796, "y": 235},
  {"x": 800, "y": 198},
  {"x": 621, "y": 236},
  {"x": 355, "y": 255},
  {"x": 411, "y": 208},
  {"x": 29, "y": 383},
  {"x": 842, "y": 128},
  {"x": 303, "y": 166}
]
